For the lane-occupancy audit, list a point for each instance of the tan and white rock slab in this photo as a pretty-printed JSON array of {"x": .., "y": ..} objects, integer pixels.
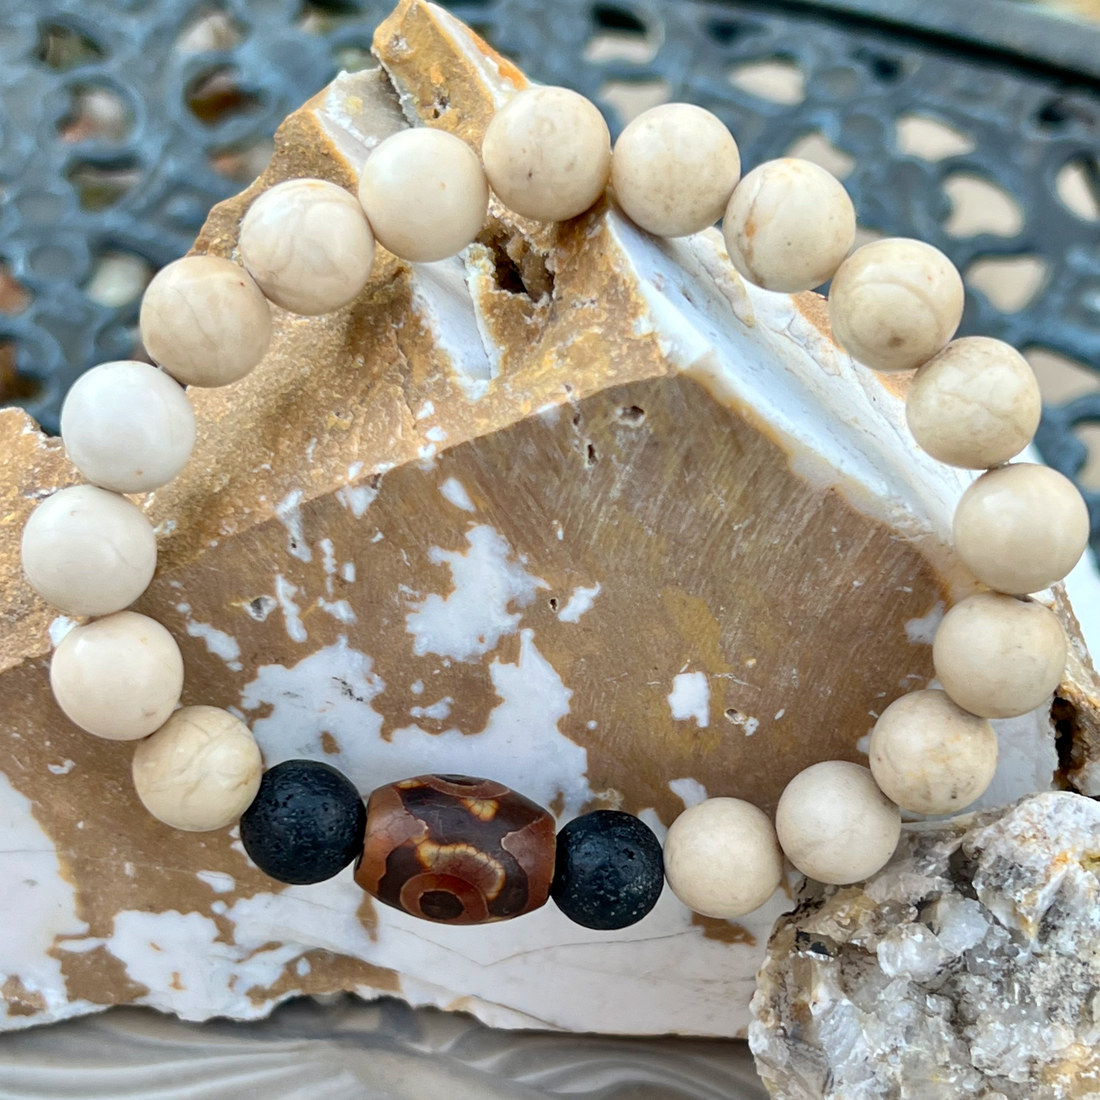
[{"x": 576, "y": 510}]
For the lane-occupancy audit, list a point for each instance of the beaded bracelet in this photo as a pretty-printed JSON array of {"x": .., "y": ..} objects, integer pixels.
[{"x": 457, "y": 849}]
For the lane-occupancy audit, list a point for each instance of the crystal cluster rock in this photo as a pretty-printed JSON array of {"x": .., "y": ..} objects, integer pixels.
[{"x": 968, "y": 967}]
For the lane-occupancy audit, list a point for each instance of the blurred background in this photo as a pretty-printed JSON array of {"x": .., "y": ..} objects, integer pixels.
[{"x": 975, "y": 126}]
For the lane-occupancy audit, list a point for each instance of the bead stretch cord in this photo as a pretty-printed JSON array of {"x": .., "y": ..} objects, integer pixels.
[{"x": 462, "y": 850}]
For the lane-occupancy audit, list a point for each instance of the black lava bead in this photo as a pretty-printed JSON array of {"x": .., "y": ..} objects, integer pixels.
[
  {"x": 306, "y": 823},
  {"x": 609, "y": 871}
]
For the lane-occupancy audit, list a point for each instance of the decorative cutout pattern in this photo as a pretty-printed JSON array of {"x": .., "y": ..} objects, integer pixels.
[{"x": 127, "y": 119}]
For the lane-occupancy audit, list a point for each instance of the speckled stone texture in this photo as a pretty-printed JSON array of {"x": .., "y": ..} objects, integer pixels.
[
  {"x": 609, "y": 872},
  {"x": 306, "y": 823},
  {"x": 968, "y": 967}
]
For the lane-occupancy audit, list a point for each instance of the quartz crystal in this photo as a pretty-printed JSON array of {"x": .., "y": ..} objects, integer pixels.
[{"x": 967, "y": 967}]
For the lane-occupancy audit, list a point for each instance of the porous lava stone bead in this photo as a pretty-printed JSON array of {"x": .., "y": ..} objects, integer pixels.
[
  {"x": 306, "y": 823},
  {"x": 609, "y": 872},
  {"x": 455, "y": 849}
]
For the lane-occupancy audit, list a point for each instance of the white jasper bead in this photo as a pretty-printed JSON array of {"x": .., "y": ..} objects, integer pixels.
[
  {"x": 998, "y": 656},
  {"x": 974, "y": 405},
  {"x": 547, "y": 153},
  {"x": 118, "y": 677},
  {"x": 308, "y": 245},
  {"x": 789, "y": 225},
  {"x": 931, "y": 757},
  {"x": 128, "y": 427},
  {"x": 205, "y": 321},
  {"x": 1021, "y": 528},
  {"x": 88, "y": 551},
  {"x": 425, "y": 194},
  {"x": 895, "y": 303},
  {"x": 722, "y": 858},
  {"x": 835, "y": 825},
  {"x": 200, "y": 771},
  {"x": 674, "y": 168}
]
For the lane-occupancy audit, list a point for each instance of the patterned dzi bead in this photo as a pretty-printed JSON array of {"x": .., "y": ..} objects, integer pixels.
[{"x": 457, "y": 850}]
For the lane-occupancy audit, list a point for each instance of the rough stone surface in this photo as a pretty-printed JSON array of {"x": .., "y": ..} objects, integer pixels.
[
  {"x": 968, "y": 967},
  {"x": 609, "y": 870},
  {"x": 575, "y": 510},
  {"x": 306, "y": 824}
]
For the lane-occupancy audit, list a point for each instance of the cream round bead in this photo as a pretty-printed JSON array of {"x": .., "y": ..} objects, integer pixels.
[
  {"x": 674, "y": 168},
  {"x": 835, "y": 825},
  {"x": 205, "y": 321},
  {"x": 200, "y": 771},
  {"x": 1021, "y": 528},
  {"x": 118, "y": 677},
  {"x": 894, "y": 303},
  {"x": 998, "y": 656},
  {"x": 789, "y": 225},
  {"x": 547, "y": 153},
  {"x": 722, "y": 858},
  {"x": 308, "y": 245},
  {"x": 88, "y": 551},
  {"x": 930, "y": 756},
  {"x": 128, "y": 427},
  {"x": 974, "y": 405},
  {"x": 425, "y": 194}
]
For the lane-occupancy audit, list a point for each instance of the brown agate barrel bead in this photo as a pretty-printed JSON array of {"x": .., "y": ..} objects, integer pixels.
[{"x": 457, "y": 850}]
